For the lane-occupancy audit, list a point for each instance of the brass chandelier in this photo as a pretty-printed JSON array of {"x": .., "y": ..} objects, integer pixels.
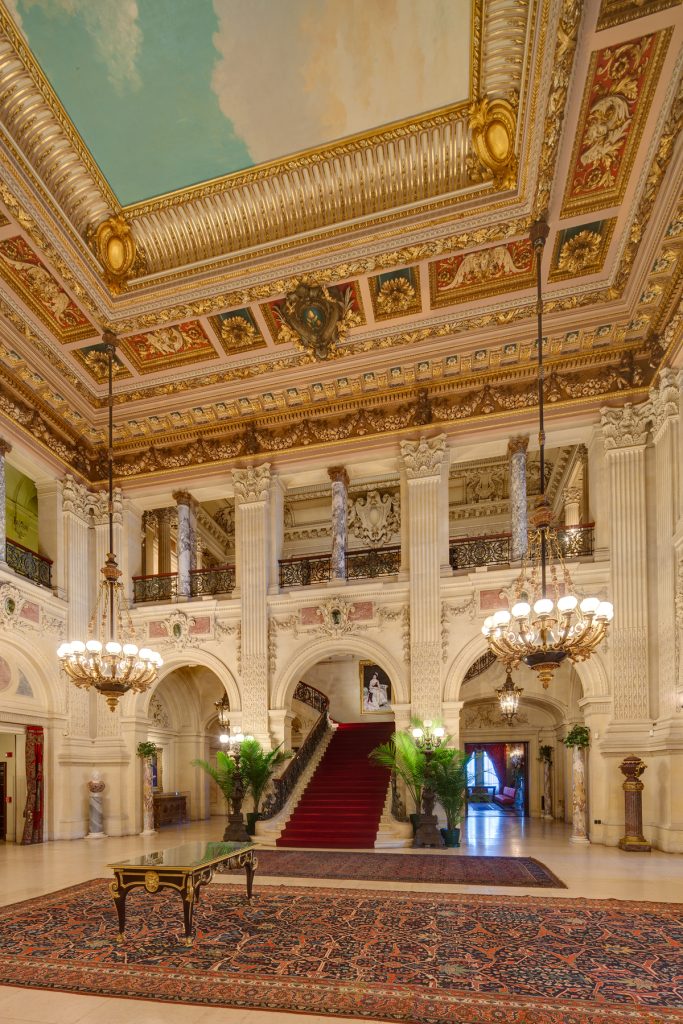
[
  {"x": 508, "y": 698},
  {"x": 547, "y": 623},
  {"x": 108, "y": 661}
]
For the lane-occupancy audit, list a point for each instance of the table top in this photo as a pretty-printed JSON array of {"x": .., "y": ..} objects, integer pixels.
[{"x": 188, "y": 856}]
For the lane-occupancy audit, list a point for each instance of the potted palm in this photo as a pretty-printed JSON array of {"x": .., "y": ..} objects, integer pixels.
[
  {"x": 402, "y": 756},
  {"x": 257, "y": 767},
  {"x": 223, "y": 773},
  {"x": 447, "y": 775}
]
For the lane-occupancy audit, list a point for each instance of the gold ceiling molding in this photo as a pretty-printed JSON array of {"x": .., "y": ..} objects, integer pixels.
[
  {"x": 616, "y": 12},
  {"x": 329, "y": 275},
  {"x": 113, "y": 243},
  {"x": 449, "y": 404},
  {"x": 565, "y": 49},
  {"x": 493, "y": 124},
  {"x": 36, "y": 120}
]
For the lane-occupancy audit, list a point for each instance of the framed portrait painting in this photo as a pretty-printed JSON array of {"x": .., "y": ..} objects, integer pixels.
[{"x": 375, "y": 689}]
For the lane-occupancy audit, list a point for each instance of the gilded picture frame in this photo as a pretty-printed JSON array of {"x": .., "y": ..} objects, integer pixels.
[{"x": 375, "y": 689}]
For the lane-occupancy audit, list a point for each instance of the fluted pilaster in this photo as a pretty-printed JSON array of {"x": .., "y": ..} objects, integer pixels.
[
  {"x": 165, "y": 517},
  {"x": 625, "y": 435},
  {"x": 423, "y": 462},
  {"x": 252, "y": 487}
]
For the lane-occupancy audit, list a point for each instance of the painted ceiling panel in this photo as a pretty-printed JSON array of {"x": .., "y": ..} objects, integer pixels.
[{"x": 169, "y": 93}]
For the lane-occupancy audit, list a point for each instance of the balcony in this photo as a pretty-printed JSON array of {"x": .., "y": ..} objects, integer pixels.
[
  {"x": 365, "y": 564},
  {"x": 218, "y": 580},
  {"x": 28, "y": 563},
  {"x": 494, "y": 549}
]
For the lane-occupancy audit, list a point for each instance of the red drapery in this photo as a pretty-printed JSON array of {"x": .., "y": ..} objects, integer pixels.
[
  {"x": 496, "y": 752},
  {"x": 33, "y": 812}
]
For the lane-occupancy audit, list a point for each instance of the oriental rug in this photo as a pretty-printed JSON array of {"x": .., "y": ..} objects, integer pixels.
[
  {"x": 413, "y": 958},
  {"x": 444, "y": 868}
]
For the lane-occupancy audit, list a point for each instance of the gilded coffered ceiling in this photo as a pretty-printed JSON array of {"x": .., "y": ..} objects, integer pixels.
[{"x": 366, "y": 285}]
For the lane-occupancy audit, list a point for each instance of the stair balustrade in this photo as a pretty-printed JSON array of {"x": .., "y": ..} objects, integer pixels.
[{"x": 283, "y": 787}]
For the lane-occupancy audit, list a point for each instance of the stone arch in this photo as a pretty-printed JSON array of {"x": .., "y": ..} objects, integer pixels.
[
  {"x": 44, "y": 673},
  {"x": 188, "y": 659},
  {"x": 592, "y": 673},
  {"x": 312, "y": 653}
]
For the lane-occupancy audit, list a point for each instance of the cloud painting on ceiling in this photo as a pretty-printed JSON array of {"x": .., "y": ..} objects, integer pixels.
[{"x": 169, "y": 93}]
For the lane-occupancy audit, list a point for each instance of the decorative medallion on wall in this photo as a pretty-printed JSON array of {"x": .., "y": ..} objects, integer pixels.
[
  {"x": 375, "y": 518},
  {"x": 501, "y": 268},
  {"x": 169, "y": 346},
  {"x": 96, "y": 361},
  {"x": 315, "y": 317},
  {"x": 180, "y": 630},
  {"x": 41, "y": 292},
  {"x": 396, "y": 293},
  {"x": 620, "y": 83},
  {"x": 238, "y": 331},
  {"x": 581, "y": 249},
  {"x": 616, "y": 12}
]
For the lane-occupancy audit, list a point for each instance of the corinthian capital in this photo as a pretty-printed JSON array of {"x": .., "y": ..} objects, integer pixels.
[
  {"x": 424, "y": 457},
  {"x": 664, "y": 399},
  {"x": 627, "y": 427},
  {"x": 252, "y": 483}
]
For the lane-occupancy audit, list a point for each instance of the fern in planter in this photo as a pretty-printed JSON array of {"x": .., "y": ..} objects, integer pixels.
[
  {"x": 578, "y": 736},
  {"x": 545, "y": 753},
  {"x": 223, "y": 773},
  {"x": 257, "y": 767}
]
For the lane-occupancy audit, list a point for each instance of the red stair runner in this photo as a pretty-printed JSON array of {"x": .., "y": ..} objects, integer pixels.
[{"x": 342, "y": 804}]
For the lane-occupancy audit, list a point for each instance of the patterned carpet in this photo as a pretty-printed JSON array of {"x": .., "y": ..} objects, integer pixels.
[
  {"x": 449, "y": 868},
  {"x": 406, "y": 957}
]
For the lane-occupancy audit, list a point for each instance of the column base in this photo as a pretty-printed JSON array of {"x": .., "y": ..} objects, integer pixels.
[
  {"x": 96, "y": 835},
  {"x": 148, "y": 832},
  {"x": 584, "y": 840},
  {"x": 547, "y": 817},
  {"x": 633, "y": 844}
]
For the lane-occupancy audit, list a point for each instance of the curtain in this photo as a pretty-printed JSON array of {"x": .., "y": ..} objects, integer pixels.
[
  {"x": 496, "y": 752},
  {"x": 33, "y": 812}
]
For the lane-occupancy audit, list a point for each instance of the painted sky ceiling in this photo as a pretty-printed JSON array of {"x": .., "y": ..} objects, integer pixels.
[
  {"x": 168, "y": 93},
  {"x": 426, "y": 311}
]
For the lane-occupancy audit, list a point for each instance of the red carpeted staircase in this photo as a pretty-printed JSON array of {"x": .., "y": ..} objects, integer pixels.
[{"x": 342, "y": 804}]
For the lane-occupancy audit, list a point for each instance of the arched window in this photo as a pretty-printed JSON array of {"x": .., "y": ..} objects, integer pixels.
[{"x": 480, "y": 770}]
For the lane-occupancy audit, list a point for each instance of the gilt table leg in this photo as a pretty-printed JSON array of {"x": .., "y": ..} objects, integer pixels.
[
  {"x": 187, "y": 894},
  {"x": 119, "y": 897},
  {"x": 250, "y": 868}
]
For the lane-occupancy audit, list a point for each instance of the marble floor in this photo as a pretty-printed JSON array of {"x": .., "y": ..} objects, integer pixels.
[{"x": 588, "y": 871}]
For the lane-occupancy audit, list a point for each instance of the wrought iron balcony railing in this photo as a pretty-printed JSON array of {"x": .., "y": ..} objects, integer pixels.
[
  {"x": 470, "y": 552},
  {"x": 284, "y": 786},
  {"x": 494, "y": 549},
  {"x": 305, "y": 572},
  {"x": 373, "y": 562},
  {"x": 217, "y": 580},
  {"x": 28, "y": 563},
  {"x": 160, "y": 587}
]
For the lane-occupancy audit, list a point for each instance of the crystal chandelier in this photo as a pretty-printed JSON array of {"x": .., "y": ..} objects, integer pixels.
[
  {"x": 546, "y": 623},
  {"x": 108, "y": 661},
  {"x": 508, "y": 698}
]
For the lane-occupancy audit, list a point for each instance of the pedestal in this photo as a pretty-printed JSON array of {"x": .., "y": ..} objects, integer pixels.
[
  {"x": 427, "y": 832},
  {"x": 148, "y": 828},
  {"x": 547, "y": 792},
  {"x": 633, "y": 841},
  {"x": 95, "y": 811},
  {"x": 579, "y": 830}
]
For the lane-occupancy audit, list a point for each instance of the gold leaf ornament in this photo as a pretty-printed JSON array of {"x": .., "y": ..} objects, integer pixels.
[
  {"x": 493, "y": 125},
  {"x": 115, "y": 248},
  {"x": 580, "y": 252},
  {"x": 395, "y": 296}
]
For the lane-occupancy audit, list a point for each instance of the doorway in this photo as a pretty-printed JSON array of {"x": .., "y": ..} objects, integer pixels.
[{"x": 498, "y": 778}]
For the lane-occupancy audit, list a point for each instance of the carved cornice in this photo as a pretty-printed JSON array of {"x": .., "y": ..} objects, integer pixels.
[{"x": 252, "y": 484}]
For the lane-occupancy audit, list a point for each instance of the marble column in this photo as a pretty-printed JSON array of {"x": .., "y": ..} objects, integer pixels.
[
  {"x": 184, "y": 543},
  {"x": 423, "y": 461},
  {"x": 579, "y": 802},
  {"x": 252, "y": 489},
  {"x": 624, "y": 433},
  {"x": 5, "y": 449},
  {"x": 572, "y": 506},
  {"x": 664, "y": 400},
  {"x": 340, "y": 491},
  {"x": 164, "y": 519},
  {"x": 149, "y": 532},
  {"x": 547, "y": 790},
  {"x": 519, "y": 524}
]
